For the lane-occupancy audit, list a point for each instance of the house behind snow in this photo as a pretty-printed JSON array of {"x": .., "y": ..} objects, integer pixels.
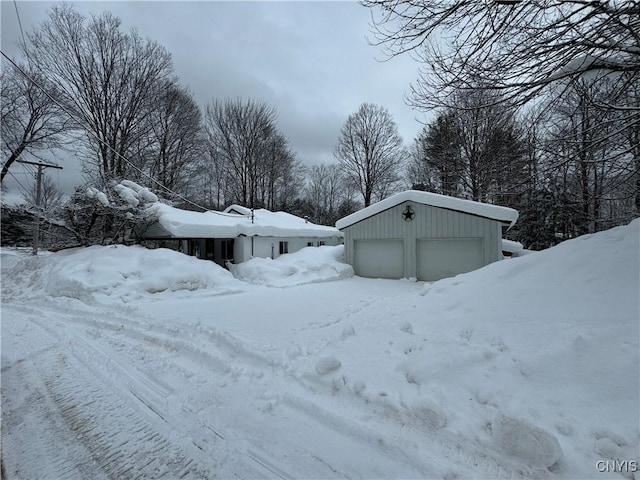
[{"x": 237, "y": 234}]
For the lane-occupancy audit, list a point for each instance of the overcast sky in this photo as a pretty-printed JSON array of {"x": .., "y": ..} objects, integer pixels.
[{"x": 310, "y": 60}]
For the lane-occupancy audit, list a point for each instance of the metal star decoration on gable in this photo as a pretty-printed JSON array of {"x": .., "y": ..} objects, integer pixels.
[{"x": 408, "y": 214}]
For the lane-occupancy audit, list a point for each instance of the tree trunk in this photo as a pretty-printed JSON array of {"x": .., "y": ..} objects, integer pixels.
[{"x": 14, "y": 156}]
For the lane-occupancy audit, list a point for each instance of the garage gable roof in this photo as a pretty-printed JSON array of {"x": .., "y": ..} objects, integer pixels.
[{"x": 495, "y": 212}]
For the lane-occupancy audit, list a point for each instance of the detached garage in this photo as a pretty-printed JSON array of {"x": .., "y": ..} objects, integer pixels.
[{"x": 424, "y": 235}]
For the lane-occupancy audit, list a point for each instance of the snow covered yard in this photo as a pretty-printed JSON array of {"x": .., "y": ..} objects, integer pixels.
[{"x": 124, "y": 362}]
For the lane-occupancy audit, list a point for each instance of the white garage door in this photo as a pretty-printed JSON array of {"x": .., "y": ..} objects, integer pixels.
[
  {"x": 379, "y": 258},
  {"x": 447, "y": 257}
]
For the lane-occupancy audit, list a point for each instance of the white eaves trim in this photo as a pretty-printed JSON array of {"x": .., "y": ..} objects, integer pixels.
[
  {"x": 494, "y": 212},
  {"x": 187, "y": 224}
]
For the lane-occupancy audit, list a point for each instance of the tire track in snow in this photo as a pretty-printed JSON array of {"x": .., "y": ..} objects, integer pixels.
[
  {"x": 121, "y": 440},
  {"x": 472, "y": 459},
  {"x": 156, "y": 397},
  {"x": 136, "y": 431},
  {"x": 180, "y": 338},
  {"x": 88, "y": 429}
]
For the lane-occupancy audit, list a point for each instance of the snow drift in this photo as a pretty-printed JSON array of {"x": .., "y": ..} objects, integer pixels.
[
  {"x": 116, "y": 271},
  {"x": 308, "y": 265}
]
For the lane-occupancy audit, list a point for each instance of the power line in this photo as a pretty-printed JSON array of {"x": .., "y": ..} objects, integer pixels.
[
  {"x": 118, "y": 154},
  {"x": 24, "y": 42},
  {"x": 24, "y": 189}
]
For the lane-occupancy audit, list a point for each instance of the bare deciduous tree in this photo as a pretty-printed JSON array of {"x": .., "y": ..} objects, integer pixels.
[
  {"x": 290, "y": 184},
  {"x": 370, "y": 152},
  {"x": 173, "y": 145},
  {"x": 50, "y": 195},
  {"x": 591, "y": 168},
  {"x": 492, "y": 146},
  {"x": 519, "y": 47},
  {"x": 325, "y": 191},
  {"x": 31, "y": 122},
  {"x": 276, "y": 161},
  {"x": 212, "y": 189},
  {"x": 253, "y": 163},
  {"x": 105, "y": 78},
  {"x": 238, "y": 131}
]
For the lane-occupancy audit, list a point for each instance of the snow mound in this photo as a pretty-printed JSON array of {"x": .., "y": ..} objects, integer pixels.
[
  {"x": 128, "y": 195},
  {"x": 327, "y": 365},
  {"x": 98, "y": 195},
  {"x": 117, "y": 271},
  {"x": 544, "y": 275},
  {"x": 140, "y": 193},
  {"x": 309, "y": 265}
]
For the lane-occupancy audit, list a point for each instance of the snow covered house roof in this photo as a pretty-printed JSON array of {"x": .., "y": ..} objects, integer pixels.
[
  {"x": 502, "y": 214},
  {"x": 233, "y": 222}
]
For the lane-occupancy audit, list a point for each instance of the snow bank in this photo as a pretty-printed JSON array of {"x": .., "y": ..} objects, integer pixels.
[
  {"x": 116, "y": 271},
  {"x": 309, "y": 265},
  {"x": 547, "y": 341}
]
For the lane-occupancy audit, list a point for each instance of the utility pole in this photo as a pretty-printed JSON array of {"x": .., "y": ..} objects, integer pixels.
[{"x": 36, "y": 233}]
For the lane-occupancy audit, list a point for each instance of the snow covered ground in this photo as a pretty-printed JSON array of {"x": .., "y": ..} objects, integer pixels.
[{"x": 121, "y": 362}]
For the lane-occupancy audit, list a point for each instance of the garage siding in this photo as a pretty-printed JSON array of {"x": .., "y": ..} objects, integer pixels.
[{"x": 428, "y": 222}]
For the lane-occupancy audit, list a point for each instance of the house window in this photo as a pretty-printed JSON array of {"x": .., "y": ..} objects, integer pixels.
[
  {"x": 309, "y": 244},
  {"x": 208, "y": 248},
  {"x": 226, "y": 250},
  {"x": 193, "y": 248},
  {"x": 320, "y": 243},
  {"x": 284, "y": 247}
]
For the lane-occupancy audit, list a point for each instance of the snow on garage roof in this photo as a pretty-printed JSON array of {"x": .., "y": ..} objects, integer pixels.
[
  {"x": 235, "y": 221},
  {"x": 494, "y": 212}
]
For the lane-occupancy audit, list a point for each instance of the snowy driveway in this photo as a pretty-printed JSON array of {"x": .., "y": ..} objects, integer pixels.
[{"x": 122, "y": 392}]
